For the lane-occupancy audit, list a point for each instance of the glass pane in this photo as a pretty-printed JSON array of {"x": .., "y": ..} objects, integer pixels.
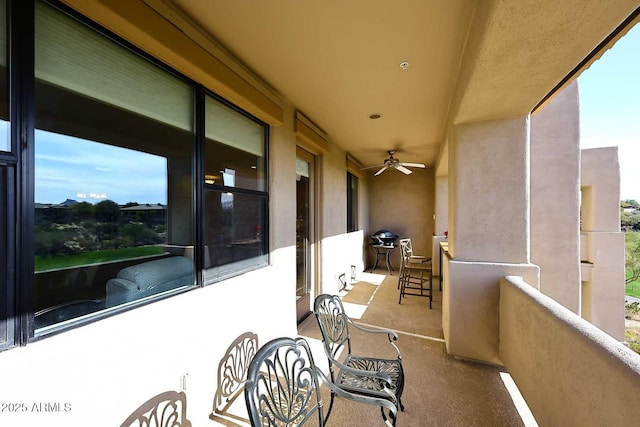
[
  {"x": 235, "y": 145},
  {"x": 113, "y": 183},
  {"x": 6, "y": 321},
  {"x": 234, "y": 235},
  {"x": 352, "y": 202},
  {"x": 303, "y": 229},
  {"x": 5, "y": 143}
]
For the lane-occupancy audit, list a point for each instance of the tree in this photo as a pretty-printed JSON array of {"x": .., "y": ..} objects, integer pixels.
[
  {"x": 139, "y": 234},
  {"x": 82, "y": 211},
  {"x": 630, "y": 221},
  {"x": 107, "y": 211},
  {"x": 632, "y": 256}
]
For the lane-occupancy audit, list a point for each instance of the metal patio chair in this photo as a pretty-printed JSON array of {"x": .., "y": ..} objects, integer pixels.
[
  {"x": 415, "y": 271},
  {"x": 168, "y": 409},
  {"x": 283, "y": 386},
  {"x": 362, "y": 375}
]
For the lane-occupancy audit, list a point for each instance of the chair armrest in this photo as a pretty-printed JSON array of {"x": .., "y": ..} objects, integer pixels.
[{"x": 391, "y": 334}]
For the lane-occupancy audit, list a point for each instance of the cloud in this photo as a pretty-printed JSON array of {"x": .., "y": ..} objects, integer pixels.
[{"x": 68, "y": 166}]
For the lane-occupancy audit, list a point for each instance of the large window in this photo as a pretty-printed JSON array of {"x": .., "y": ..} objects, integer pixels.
[
  {"x": 4, "y": 92},
  {"x": 130, "y": 177},
  {"x": 352, "y": 202},
  {"x": 7, "y": 270},
  {"x": 113, "y": 174},
  {"x": 235, "y": 214}
]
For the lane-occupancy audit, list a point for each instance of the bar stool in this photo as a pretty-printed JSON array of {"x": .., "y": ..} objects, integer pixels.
[{"x": 415, "y": 270}]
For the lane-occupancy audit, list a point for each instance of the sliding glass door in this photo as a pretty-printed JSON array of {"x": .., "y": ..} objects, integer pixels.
[{"x": 305, "y": 237}]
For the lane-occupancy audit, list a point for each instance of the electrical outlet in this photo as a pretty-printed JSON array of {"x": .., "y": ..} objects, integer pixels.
[{"x": 183, "y": 382}]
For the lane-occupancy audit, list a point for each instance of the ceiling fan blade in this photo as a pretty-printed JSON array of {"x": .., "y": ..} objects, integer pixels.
[
  {"x": 403, "y": 169},
  {"x": 414, "y": 165},
  {"x": 371, "y": 167},
  {"x": 384, "y": 168}
]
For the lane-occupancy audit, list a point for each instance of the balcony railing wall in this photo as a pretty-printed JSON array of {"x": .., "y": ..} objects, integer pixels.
[{"x": 569, "y": 371}]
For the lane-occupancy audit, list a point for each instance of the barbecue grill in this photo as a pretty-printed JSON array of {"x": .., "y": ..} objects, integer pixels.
[{"x": 384, "y": 237}]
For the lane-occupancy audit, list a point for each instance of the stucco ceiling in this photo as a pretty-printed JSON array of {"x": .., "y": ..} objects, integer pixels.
[{"x": 339, "y": 61}]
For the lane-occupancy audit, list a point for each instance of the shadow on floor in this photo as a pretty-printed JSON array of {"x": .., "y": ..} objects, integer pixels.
[{"x": 440, "y": 389}]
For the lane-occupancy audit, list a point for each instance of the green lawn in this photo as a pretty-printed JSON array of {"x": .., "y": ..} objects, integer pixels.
[
  {"x": 97, "y": 257},
  {"x": 633, "y": 289}
]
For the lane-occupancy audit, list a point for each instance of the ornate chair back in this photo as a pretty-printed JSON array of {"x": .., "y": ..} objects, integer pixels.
[
  {"x": 282, "y": 385},
  {"x": 334, "y": 325}
]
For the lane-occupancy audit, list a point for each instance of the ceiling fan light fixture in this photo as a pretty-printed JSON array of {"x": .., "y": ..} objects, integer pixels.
[
  {"x": 375, "y": 116},
  {"x": 393, "y": 163},
  {"x": 404, "y": 65}
]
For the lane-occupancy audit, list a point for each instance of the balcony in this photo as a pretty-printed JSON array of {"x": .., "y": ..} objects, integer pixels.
[{"x": 570, "y": 372}]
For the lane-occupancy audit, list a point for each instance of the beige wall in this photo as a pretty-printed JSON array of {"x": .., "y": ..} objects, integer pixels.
[
  {"x": 339, "y": 250},
  {"x": 441, "y": 217},
  {"x": 604, "y": 248},
  {"x": 442, "y": 205},
  {"x": 489, "y": 192},
  {"x": 488, "y": 231},
  {"x": 403, "y": 204},
  {"x": 600, "y": 171},
  {"x": 107, "y": 368},
  {"x": 555, "y": 204},
  {"x": 568, "y": 371}
]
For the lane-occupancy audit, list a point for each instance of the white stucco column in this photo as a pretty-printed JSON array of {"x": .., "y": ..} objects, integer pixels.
[
  {"x": 555, "y": 197},
  {"x": 488, "y": 231}
]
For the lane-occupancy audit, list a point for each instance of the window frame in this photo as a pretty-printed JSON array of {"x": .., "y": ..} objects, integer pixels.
[
  {"x": 352, "y": 202},
  {"x": 17, "y": 172},
  {"x": 263, "y": 195}
]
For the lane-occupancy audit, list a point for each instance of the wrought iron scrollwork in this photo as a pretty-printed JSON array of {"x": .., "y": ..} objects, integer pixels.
[{"x": 282, "y": 386}]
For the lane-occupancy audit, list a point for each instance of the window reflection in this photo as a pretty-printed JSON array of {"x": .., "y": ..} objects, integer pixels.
[
  {"x": 5, "y": 142},
  {"x": 113, "y": 174},
  {"x": 235, "y": 192},
  {"x": 101, "y": 228}
]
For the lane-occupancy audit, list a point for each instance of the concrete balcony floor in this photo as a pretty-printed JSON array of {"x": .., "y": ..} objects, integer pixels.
[{"x": 440, "y": 390}]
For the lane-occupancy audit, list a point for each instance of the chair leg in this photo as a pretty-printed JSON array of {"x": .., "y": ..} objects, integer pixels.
[
  {"x": 326, "y": 417},
  {"x": 430, "y": 289},
  {"x": 390, "y": 420},
  {"x": 402, "y": 283}
]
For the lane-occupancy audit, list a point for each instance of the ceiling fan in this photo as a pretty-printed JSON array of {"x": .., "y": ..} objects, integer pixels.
[{"x": 392, "y": 162}]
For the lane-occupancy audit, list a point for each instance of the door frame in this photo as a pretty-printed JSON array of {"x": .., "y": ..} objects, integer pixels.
[{"x": 304, "y": 305}]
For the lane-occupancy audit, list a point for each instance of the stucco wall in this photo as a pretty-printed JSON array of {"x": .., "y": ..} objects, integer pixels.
[
  {"x": 600, "y": 170},
  {"x": 106, "y": 369},
  {"x": 403, "y": 204},
  {"x": 568, "y": 371},
  {"x": 471, "y": 300},
  {"x": 442, "y": 205},
  {"x": 555, "y": 197},
  {"x": 489, "y": 191},
  {"x": 600, "y": 209}
]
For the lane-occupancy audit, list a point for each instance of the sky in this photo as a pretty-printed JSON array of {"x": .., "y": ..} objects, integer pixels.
[
  {"x": 610, "y": 108},
  {"x": 86, "y": 171}
]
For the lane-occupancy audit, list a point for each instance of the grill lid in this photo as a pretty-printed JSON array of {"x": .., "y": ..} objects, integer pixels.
[{"x": 383, "y": 237}]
